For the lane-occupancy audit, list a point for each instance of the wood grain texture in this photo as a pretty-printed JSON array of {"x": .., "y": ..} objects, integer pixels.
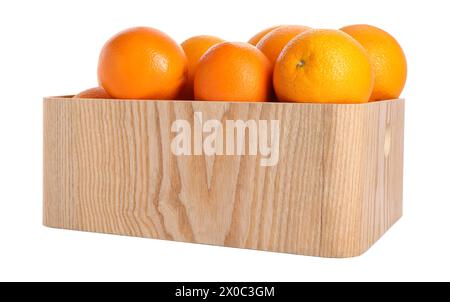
[{"x": 336, "y": 189}]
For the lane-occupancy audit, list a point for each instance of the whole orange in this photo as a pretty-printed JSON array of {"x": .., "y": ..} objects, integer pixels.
[
  {"x": 324, "y": 66},
  {"x": 255, "y": 39},
  {"x": 233, "y": 71},
  {"x": 93, "y": 93},
  {"x": 142, "y": 63},
  {"x": 195, "y": 48},
  {"x": 272, "y": 43},
  {"x": 387, "y": 58}
]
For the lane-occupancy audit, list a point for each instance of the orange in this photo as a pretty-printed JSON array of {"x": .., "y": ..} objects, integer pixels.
[
  {"x": 387, "y": 58},
  {"x": 195, "y": 48},
  {"x": 142, "y": 63},
  {"x": 272, "y": 43},
  {"x": 323, "y": 66},
  {"x": 233, "y": 71},
  {"x": 255, "y": 39},
  {"x": 93, "y": 93}
]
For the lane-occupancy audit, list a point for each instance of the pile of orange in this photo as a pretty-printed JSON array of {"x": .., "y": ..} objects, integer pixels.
[{"x": 291, "y": 63}]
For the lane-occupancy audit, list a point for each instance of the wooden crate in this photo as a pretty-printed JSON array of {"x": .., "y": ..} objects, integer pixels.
[{"x": 109, "y": 167}]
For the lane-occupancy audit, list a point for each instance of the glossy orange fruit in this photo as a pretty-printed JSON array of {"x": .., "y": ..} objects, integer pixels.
[
  {"x": 387, "y": 58},
  {"x": 272, "y": 43},
  {"x": 233, "y": 71},
  {"x": 255, "y": 39},
  {"x": 324, "y": 66},
  {"x": 93, "y": 93},
  {"x": 195, "y": 48},
  {"x": 142, "y": 63}
]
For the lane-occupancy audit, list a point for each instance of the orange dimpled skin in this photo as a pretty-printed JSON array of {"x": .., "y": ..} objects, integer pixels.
[
  {"x": 323, "y": 66},
  {"x": 272, "y": 43},
  {"x": 195, "y": 48},
  {"x": 387, "y": 58},
  {"x": 93, "y": 93},
  {"x": 233, "y": 71},
  {"x": 142, "y": 63},
  {"x": 256, "y": 38}
]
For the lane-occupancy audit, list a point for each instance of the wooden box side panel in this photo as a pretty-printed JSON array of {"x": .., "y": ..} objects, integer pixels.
[
  {"x": 108, "y": 167},
  {"x": 363, "y": 171},
  {"x": 124, "y": 179},
  {"x": 59, "y": 198},
  {"x": 383, "y": 194}
]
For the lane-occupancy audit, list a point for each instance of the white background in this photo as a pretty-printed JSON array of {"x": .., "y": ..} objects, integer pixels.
[{"x": 51, "y": 48}]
